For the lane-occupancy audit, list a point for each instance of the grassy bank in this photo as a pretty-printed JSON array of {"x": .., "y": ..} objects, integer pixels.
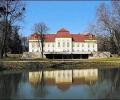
[{"x": 13, "y": 64}]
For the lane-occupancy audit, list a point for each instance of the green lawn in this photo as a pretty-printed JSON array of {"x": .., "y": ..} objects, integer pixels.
[
  {"x": 17, "y": 57},
  {"x": 117, "y": 59},
  {"x": 17, "y": 63}
]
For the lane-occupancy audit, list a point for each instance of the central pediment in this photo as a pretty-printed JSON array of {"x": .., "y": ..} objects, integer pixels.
[{"x": 63, "y": 33}]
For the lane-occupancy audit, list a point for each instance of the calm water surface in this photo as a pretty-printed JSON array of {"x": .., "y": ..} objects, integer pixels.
[{"x": 73, "y": 84}]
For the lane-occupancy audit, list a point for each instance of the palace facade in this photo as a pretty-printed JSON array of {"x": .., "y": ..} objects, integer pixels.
[{"x": 64, "y": 44}]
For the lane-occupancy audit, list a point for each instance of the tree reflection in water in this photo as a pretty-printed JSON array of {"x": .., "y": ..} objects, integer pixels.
[
  {"x": 9, "y": 85},
  {"x": 93, "y": 83},
  {"x": 108, "y": 85},
  {"x": 40, "y": 85},
  {"x": 62, "y": 79}
]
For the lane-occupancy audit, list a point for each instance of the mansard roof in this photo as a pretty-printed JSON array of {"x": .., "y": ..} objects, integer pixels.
[{"x": 63, "y": 33}]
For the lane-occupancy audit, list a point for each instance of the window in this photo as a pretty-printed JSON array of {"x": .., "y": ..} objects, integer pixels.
[
  {"x": 48, "y": 45},
  {"x": 73, "y": 45},
  {"x": 58, "y": 44},
  {"x": 37, "y": 44},
  {"x": 88, "y": 45},
  {"x": 64, "y": 50},
  {"x": 90, "y": 36},
  {"x": 94, "y": 50},
  {"x": 63, "y": 44},
  {"x": 88, "y": 73},
  {"x": 68, "y": 74},
  {"x": 58, "y": 74},
  {"x": 82, "y": 45},
  {"x": 63, "y": 74},
  {"x": 37, "y": 51},
  {"x": 33, "y": 45},
  {"x": 44, "y": 45},
  {"x": 67, "y": 44}
]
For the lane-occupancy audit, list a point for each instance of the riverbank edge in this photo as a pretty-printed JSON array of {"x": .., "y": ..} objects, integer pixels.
[{"x": 59, "y": 64}]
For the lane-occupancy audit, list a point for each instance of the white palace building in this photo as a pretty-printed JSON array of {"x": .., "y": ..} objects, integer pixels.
[{"x": 64, "y": 44}]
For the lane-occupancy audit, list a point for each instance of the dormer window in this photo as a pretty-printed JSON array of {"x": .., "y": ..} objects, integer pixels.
[{"x": 90, "y": 36}]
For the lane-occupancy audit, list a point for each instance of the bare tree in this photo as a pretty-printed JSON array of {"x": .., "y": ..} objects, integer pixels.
[
  {"x": 11, "y": 11},
  {"x": 108, "y": 25},
  {"x": 41, "y": 28},
  {"x": 1, "y": 39},
  {"x": 110, "y": 22}
]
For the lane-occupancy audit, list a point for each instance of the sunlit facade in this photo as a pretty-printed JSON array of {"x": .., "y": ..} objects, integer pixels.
[{"x": 64, "y": 42}]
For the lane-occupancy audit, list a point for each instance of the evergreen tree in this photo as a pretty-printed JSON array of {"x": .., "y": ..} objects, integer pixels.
[{"x": 15, "y": 43}]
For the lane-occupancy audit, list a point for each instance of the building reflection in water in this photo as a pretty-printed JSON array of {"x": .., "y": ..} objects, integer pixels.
[{"x": 64, "y": 78}]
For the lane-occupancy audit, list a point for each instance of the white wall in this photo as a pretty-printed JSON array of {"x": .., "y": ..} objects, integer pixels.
[
  {"x": 34, "y": 46},
  {"x": 64, "y": 42},
  {"x": 49, "y": 47},
  {"x": 79, "y": 47},
  {"x": 84, "y": 46}
]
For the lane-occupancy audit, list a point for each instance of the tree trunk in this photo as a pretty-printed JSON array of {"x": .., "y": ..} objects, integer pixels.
[
  {"x": 72, "y": 76},
  {"x": 5, "y": 51},
  {"x": 42, "y": 52},
  {"x": 1, "y": 54},
  {"x": 6, "y": 54},
  {"x": 42, "y": 45}
]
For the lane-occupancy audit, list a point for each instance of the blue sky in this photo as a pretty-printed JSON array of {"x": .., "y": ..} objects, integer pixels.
[{"x": 72, "y": 15}]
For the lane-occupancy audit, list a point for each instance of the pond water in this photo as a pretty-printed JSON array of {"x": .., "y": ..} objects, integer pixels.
[{"x": 67, "y": 84}]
